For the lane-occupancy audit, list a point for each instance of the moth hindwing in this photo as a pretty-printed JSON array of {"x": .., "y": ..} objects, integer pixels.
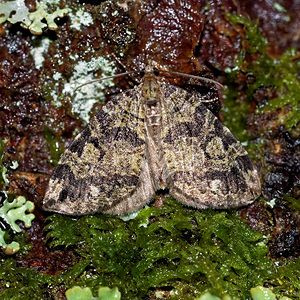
[{"x": 155, "y": 136}]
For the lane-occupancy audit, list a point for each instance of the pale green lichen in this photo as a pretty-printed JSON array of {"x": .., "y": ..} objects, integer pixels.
[
  {"x": 104, "y": 293},
  {"x": 83, "y": 72},
  {"x": 208, "y": 296},
  {"x": 88, "y": 95},
  {"x": 3, "y": 170},
  {"x": 80, "y": 18},
  {"x": 14, "y": 165},
  {"x": 10, "y": 212},
  {"x": 262, "y": 293},
  {"x": 16, "y": 211},
  {"x": 17, "y": 12},
  {"x": 272, "y": 202},
  {"x": 41, "y": 46},
  {"x": 36, "y": 17},
  {"x": 279, "y": 7},
  {"x": 14, "y": 12},
  {"x": 4, "y": 175},
  {"x": 10, "y": 248}
]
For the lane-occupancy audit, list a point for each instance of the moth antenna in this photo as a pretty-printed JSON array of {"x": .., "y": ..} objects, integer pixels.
[
  {"x": 104, "y": 78},
  {"x": 125, "y": 68},
  {"x": 195, "y": 77}
]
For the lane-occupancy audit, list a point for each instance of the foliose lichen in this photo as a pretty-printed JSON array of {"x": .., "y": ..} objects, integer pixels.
[
  {"x": 104, "y": 293},
  {"x": 17, "y": 12},
  {"x": 263, "y": 293},
  {"x": 11, "y": 212}
]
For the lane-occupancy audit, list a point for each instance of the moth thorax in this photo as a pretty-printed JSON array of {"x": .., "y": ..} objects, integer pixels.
[
  {"x": 150, "y": 91},
  {"x": 153, "y": 113},
  {"x": 153, "y": 120}
]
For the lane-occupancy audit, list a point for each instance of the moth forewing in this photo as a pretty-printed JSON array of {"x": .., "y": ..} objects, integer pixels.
[
  {"x": 103, "y": 165},
  {"x": 155, "y": 136},
  {"x": 208, "y": 166}
]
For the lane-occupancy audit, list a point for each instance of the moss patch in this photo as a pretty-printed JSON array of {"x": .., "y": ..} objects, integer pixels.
[
  {"x": 280, "y": 75},
  {"x": 174, "y": 248}
]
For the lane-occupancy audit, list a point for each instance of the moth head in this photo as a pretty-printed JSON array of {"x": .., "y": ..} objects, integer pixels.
[{"x": 149, "y": 69}]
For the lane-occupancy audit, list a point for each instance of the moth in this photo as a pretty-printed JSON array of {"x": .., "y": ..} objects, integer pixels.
[{"x": 153, "y": 137}]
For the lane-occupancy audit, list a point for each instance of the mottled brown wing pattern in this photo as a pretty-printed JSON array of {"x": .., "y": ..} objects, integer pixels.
[
  {"x": 105, "y": 163},
  {"x": 155, "y": 136},
  {"x": 206, "y": 165}
]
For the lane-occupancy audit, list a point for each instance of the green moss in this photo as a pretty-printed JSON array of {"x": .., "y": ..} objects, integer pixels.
[
  {"x": 54, "y": 145},
  {"x": 22, "y": 283},
  {"x": 188, "y": 251},
  {"x": 286, "y": 280},
  {"x": 235, "y": 113},
  {"x": 176, "y": 247},
  {"x": 278, "y": 74},
  {"x": 294, "y": 204}
]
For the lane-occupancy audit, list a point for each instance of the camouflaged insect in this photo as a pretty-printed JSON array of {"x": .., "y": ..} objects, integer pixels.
[{"x": 155, "y": 136}]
